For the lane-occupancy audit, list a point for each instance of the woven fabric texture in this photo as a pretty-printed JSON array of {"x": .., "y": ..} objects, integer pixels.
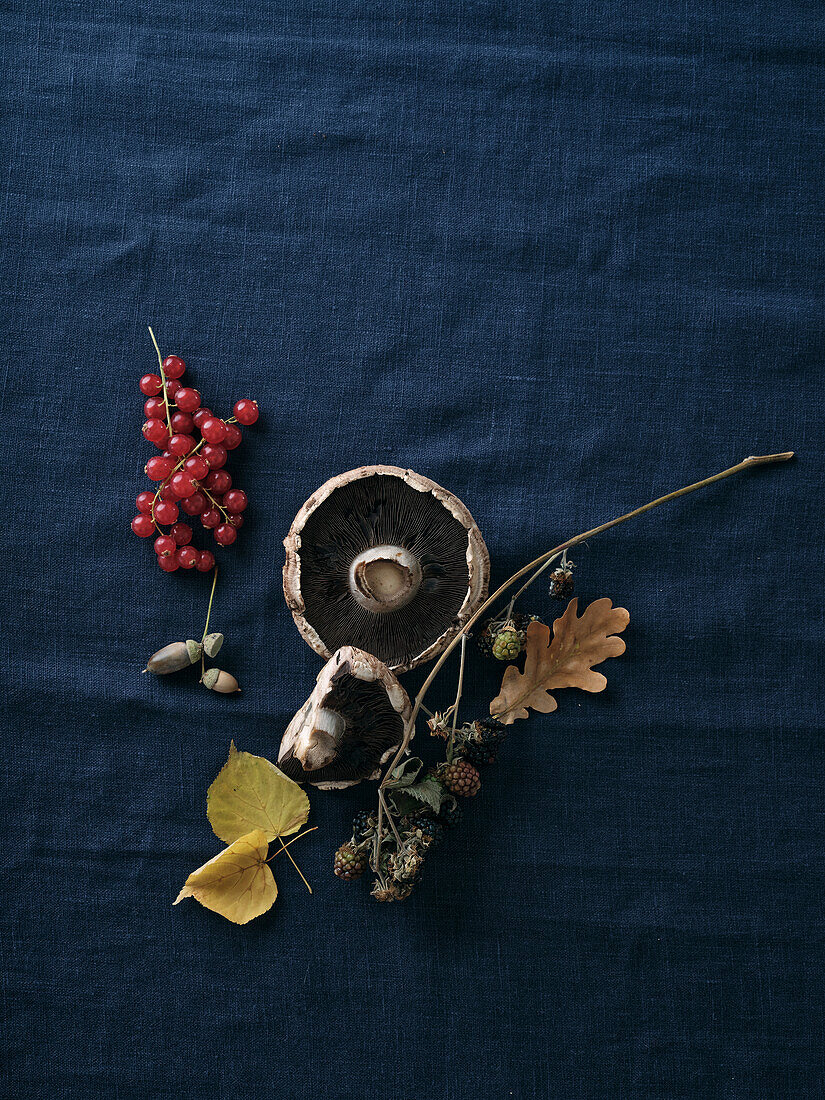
[{"x": 559, "y": 257}]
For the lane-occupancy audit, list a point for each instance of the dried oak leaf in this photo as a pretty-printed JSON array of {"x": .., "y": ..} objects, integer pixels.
[
  {"x": 251, "y": 793},
  {"x": 237, "y": 883},
  {"x": 578, "y": 643}
]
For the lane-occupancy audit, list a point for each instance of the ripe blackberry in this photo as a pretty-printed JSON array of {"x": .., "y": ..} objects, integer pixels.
[
  {"x": 561, "y": 584},
  {"x": 350, "y": 862},
  {"x": 484, "y": 640},
  {"x": 461, "y": 778},
  {"x": 450, "y": 814},
  {"x": 363, "y": 824},
  {"x": 490, "y": 731},
  {"x": 431, "y": 829},
  {"x": 480, "y": 754}
]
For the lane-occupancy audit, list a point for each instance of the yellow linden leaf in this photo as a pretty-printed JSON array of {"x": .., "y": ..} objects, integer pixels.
[
  {"x": 250, "y": 793},
  {"x": 238, "y": 884}
]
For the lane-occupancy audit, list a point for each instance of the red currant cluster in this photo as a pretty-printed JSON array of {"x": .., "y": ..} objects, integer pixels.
[{"x": 189, "y": 472}]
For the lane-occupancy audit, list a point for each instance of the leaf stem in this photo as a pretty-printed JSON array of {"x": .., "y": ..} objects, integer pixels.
[
  {"x": 542, "y": 559},
  {"x": 284, "y": 848}
]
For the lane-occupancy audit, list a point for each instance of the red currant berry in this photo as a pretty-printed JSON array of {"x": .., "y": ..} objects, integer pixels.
[
  {"x": 172, "y": 387},
  {"x": 236, "y": 521},
  {"x": 182, "y": 423},
  {"x": 173, "y": 366},
  {"x": 194, "y": 505},
  {"x": 168, "y": 494},
  {"x": 225, "y": 534},
  {"x": 181, "y": 445},
  {"x": 181, "y": 533},
  {"x": 150, "y": 384},
  {"x": 154, "y": 408},
  {"x": 201, "y": 415},
  {"x": 187, "y": 400},
  {"x": 142, "y": 526},
  {"x": 213, "y": 430},
  {"x": 168, "y": 565},
  {"x": 187, "y": 557},
  {"x": 234, "y": 435},
  {"x": 235, "y": 500},
  {"x": 211, "y": 517},
  {"x": 215, "y": 455},
  {"x": 164, "y": 546},
  {"x": 205, "y": 562},
  {"x": 183, "y": 484},
  {"x": 218, "y": 481},
  {"x": 197, "y": 466},
  {"x": 246, "y": 411},
  {"x": 144, "y": 502},
  {"x": 155, "y": 431},
  {"x": 166, "y": 512},
  {"x": 158, "y": 468}
]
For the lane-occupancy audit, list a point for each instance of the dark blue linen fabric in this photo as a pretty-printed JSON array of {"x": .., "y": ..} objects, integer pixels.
[{"x": 559, "y": 257}]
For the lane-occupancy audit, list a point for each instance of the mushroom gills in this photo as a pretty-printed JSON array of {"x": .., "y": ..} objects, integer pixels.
[
  {"x": 385, "y": 559},
  {"x": 349, "y": 726}
]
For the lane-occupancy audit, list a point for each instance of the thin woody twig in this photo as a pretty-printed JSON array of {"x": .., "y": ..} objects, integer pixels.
[{"x": 752, "y": 460}]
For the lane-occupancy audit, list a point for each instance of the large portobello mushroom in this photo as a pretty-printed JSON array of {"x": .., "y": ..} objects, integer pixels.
[
  {"x": 386, "y": 560},
  {"x": 351, "y": 724}
]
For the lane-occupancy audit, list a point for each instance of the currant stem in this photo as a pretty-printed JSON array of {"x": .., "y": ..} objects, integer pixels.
[
  {"x": 163, "y": 381},
  {"x": 206, "y": 493},
  {"x": 752, "y": 460}
]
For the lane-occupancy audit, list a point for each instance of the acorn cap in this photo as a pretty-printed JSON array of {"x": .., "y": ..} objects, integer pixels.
[
  {"x": 351, "y": 724},
  {"x": 386, "y": 560}
]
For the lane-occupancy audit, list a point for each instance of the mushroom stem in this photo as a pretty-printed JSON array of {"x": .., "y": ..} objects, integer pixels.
[{"x": 752, "y": 460}]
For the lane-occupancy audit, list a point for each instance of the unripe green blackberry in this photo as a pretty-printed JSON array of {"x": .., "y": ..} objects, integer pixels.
[
  {"x": 350, "y": 862},
  {"x": 461, "y": 778},
  {"x": 507, "y": 645}
]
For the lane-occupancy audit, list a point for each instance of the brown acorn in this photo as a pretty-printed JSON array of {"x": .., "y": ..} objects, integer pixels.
[
  {"x": 217, "y": 680},
  {"x": 173, "y": 657}
]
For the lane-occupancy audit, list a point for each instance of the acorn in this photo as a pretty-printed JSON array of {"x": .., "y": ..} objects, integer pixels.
[
  {"x": 217, "y": 680},
  {"x": 174, "y": 657}
]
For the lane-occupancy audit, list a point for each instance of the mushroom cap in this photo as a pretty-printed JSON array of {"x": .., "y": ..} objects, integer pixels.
[
  {"x": 384, "y": 559},
  {"x": 351, "y": 724}
]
